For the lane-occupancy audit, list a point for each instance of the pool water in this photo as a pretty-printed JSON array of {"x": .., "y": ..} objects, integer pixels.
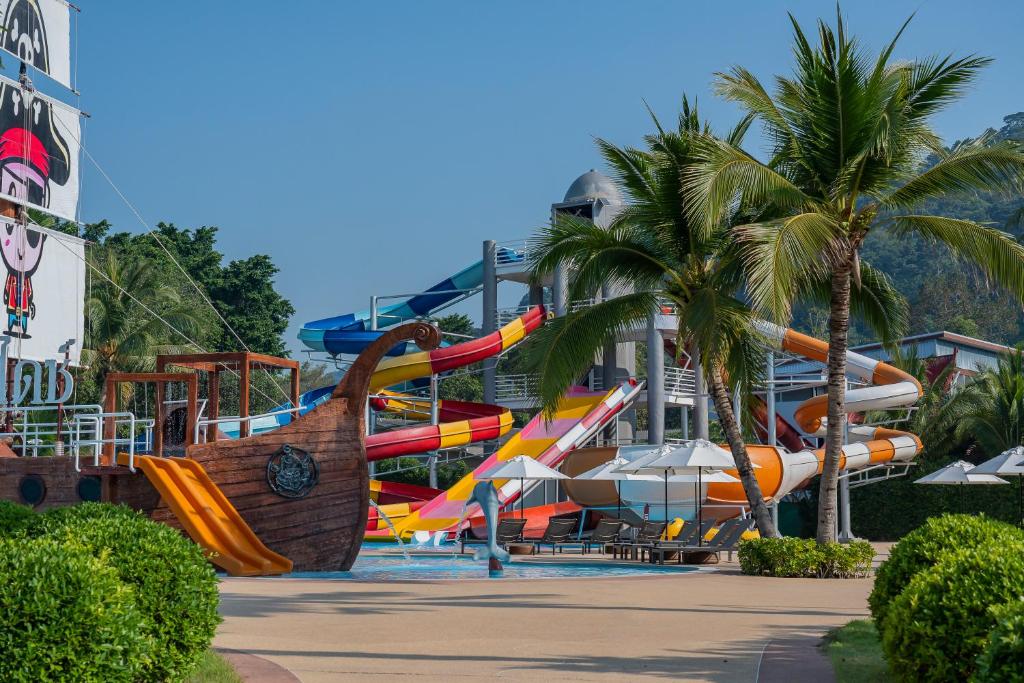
[{"x": 451, "y": 568}]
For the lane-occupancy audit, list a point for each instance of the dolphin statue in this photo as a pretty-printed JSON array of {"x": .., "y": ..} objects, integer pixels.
[{"x": 485, "y": 495}]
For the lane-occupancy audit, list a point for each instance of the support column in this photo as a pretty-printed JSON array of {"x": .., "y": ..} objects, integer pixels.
[
  {"x": 434, "y": 414},
  {"x": 489, "y": 322},
  {"x": 213, "y": 407},
  {"x": 737, "y": 406},
  {"x": 655, "y": 384},
  {"x": 700, "y": 400},
  {"x": 536, "y": 295},
  {"x": 609, "y": 355},
  {"x": 770, "y": 402},
  {"x": 560, "y": 290},
  {"x": 845, "y": 532},
  {"x": 684, "y": 421},
  {"x": 244, "y": 428}
]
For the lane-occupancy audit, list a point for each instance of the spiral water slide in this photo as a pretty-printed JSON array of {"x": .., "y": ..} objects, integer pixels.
[{"x": 781, "y": 470}]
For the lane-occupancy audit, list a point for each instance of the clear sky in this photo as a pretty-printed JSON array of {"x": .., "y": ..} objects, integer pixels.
[{"x": 370, "y": 147}]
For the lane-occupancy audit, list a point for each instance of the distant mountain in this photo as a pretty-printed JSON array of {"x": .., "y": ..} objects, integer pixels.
[{"x": 943, "y": 293}]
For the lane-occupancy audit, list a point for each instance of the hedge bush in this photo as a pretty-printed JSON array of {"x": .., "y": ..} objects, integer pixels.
[
  {"x": 1003, "y": 658},
  {"x": 799, "y": 557},
  {"x": 67, "y": 616},
  {"x": 16, "y": 520},
  {"x": 924, "y": 546},
  {"x": 939, "y": 624},
  {"x": 175, "y": 587}
]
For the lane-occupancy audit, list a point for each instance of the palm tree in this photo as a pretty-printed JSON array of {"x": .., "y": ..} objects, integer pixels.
[
  {"x": 652, "y": 250},
  {"x": 990, "y": 410},
  {"x": 849, "y": 134},
  {"x": 122, "y": 332}
]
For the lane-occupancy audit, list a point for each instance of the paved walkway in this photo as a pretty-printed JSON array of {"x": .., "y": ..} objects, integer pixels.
[{"x": 713, "y": 626}]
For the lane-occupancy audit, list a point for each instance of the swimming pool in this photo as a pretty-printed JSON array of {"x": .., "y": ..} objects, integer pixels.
[{"x": 452, "y": 568}]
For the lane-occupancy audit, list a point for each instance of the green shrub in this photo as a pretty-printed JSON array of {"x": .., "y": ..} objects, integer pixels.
[
  {"x": 939, "y": 625},
  {"x": 67, "y": 616},
  {"x": 923, "y": 547},
  {"x": 175, "y": 587},
  {"x": 796, "y": 557},
  {"x": 1003, "y": 658},
  {"x": 16, "y": 520}
]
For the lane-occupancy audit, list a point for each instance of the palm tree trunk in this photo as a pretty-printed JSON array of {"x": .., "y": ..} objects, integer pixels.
[
  {"x": 733, "y": 435},
  {"x": 838, "y": 342}
]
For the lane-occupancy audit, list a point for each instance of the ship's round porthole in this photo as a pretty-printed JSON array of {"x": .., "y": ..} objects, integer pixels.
[
  {"x": 89, "y": 489},
  {"x": 32, "y": 489}
]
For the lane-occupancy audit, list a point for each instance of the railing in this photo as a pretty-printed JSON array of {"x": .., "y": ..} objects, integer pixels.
[
  {"x": 680, "y": 382},
  {"x": 231, "y": 419},
  {"x": 97, "y": 442},
  {"x": 515, "y": 387},
  {"x": 511, "y": 253}
]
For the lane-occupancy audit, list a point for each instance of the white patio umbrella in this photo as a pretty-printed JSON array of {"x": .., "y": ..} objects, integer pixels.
[
  {"x": 698, "y": 458},
  {"x": 608, "y": 471},
  {"x": 960, "y": 473},
  {"x": 522, "y": 467},
  {"x": 1008, "y": 464}
]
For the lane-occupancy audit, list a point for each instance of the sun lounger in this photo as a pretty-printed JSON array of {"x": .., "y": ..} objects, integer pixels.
[
  {"x": 687, "y": 537},
  {"x": 508, "y": 531},
  {"x": 726, "y": 540},
  {"x": 557, "y": 534},
  {"x": 649, "y": 534},
  {"x": 607, "y": 531}
]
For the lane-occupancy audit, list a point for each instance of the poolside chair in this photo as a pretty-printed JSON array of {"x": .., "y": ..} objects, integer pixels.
[
  {"x": 607, "y": 531},
  {"x": 508, "y": 531},
  {"x": 687, "y": 537},
  {"x": 726, "y": 540},
  {"x": 648, "y": 535},
  {"x": 556, "y": 535}
]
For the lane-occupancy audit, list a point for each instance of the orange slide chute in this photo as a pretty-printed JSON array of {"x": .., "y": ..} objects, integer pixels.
[{"x": 208, "y": 516}]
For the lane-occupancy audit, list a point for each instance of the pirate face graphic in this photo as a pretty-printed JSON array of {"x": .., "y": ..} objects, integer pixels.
[{"x": 33, "y": 154}]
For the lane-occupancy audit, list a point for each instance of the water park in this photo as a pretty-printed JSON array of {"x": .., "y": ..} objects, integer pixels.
[{"x": 739, "y": 404}]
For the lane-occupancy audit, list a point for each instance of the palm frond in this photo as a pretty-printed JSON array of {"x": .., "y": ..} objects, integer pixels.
[
  {"x": 560, "y": 353},
  {"x": 976, "y": 166},
  {"x": 780, "y": 254},
  {"x": 995, "y": 253},
  {"x": 725, "y": 176}
]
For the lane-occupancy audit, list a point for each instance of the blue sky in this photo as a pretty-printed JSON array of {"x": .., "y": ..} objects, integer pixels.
[{"x": 371, "y": 147}]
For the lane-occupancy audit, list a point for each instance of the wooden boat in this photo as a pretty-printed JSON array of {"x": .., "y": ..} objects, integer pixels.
[{"x": 302, "y": 488}]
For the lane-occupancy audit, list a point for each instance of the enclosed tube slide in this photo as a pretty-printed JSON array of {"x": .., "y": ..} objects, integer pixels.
[{"x": 780, "y": 470}]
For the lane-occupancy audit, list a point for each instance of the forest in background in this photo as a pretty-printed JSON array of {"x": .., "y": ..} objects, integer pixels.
[{"x": 943, "y": 293}]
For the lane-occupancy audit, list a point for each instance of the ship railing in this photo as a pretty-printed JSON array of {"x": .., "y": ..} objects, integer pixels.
[
  {"x": 206, "y": 422},
  {"x": 59, "y": 436},
  {"x": 91, "y": 425}
]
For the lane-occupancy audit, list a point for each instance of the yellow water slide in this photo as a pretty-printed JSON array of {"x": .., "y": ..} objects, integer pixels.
[{"x": 209, "y": 517}]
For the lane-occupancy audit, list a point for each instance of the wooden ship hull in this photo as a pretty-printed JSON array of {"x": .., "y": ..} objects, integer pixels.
[{"x": 317, "y": 520}]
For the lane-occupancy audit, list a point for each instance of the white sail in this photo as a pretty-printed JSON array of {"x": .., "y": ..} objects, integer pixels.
[
  {"x": 43, "y": 291},
  {"x": 38, "y": 33},
  {"x": 39, "y": 151}
]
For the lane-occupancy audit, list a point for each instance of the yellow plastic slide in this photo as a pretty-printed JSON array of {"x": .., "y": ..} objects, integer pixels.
[{"x": 208, "y": 516}]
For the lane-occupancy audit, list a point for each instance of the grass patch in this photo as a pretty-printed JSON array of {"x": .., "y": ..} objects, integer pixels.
[
  {"x": 214, "y": 669},
  {"x": 856, "y": 653}
]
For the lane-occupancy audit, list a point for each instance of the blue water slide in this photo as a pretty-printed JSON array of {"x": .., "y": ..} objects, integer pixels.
[{"x": 350, "y": 333}]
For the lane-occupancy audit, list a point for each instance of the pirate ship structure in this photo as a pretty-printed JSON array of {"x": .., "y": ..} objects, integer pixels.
[{"x": 261, "y": 501}]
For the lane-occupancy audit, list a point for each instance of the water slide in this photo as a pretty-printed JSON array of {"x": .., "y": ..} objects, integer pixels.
[
  {"x": 579, "y": 415},
  {"x": 350, "y": 333},
  {"x": 208, "y": 516},
  {"x": 781, "y": 470}
]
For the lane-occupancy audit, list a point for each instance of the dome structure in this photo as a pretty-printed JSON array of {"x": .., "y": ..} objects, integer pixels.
[{"x": 593, "y": 185}]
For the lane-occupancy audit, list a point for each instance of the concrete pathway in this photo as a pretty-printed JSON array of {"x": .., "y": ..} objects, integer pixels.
[{"x": 709, "y": 626}]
